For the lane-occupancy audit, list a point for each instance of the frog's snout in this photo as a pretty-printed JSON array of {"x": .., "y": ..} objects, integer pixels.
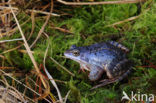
[{"x": 66, "y": 53}]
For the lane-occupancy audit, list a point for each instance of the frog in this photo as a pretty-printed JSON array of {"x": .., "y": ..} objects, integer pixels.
[{"x": 109, "y": 58}]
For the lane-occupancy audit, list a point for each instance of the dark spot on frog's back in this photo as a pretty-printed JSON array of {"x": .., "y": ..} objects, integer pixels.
[
  {"x": 95, "y": 53},
  {"x": 87, "y": 60},
  {"x": 87, "y": 48},
  {"x": 83, "y": 57}
]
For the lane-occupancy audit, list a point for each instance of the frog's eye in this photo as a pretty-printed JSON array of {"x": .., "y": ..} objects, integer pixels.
[{"x": 76, "y": 52}]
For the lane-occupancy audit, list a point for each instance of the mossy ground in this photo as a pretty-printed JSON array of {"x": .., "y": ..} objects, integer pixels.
[{"x": 89, "y": 24}]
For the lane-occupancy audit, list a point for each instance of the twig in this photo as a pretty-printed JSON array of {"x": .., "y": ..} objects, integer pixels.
[
  {"x": 101, "y": 3},
  {"x": 62, "y": 66},
  {"x": 43, "y": 27},
  {"x": 3, "y": 41},
  {"x": 49, "y": 76},
  {"x": 126, "y": 20}
]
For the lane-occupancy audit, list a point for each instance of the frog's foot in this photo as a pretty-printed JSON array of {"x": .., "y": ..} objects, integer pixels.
[
  {"x": 118, "y": 45},
  {"x": 112, "y": 80}
]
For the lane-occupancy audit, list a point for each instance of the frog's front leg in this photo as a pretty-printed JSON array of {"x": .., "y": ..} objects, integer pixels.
[
  {"x": 95, "y": 73},
  {"x": 83, "y": 67}
]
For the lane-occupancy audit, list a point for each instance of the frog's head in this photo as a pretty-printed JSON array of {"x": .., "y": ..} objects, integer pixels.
[{"x": 76, "y": 54}]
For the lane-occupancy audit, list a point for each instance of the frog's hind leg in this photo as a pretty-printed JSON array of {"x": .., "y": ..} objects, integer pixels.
[
  {"x": 112, "y": 80},
  {"x": 121, "y": 67},
  {"x": 118, "y": 45},
  {"x": 119, "y": 72}
]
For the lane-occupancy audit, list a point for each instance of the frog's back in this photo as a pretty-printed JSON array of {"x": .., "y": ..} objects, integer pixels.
[{"x": 103, "y": 54}]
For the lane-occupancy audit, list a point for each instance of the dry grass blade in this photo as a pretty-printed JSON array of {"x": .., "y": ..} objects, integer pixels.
[
  {"x": 33, "y": 24},
  {"x": 10, "y": 95},
  {"x": 101, "y": 3},
  {"x": 11, "y": 49},
  {"x": 62, "y": 67},
  {"x": 3, "y": 57},
  {"x": 4, "y": 3},
  {"x": 3, "y": 41},
  {"x": 62, "y": 30},
  {"x": 7, "y": 67},
  {"x": 49, "y": 76},
  {"x": 43, "y": 12},
  {"x": 126, "y": 20},
  {"x": 67, "y": 96}
]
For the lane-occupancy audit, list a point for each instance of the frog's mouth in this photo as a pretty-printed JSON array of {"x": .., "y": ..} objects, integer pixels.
[
  {"x": 75, "y": 58},
  {"x": 71, "y": 56}
]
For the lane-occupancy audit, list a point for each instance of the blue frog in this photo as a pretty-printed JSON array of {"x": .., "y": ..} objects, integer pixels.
[{"x": 109, "y": 57}]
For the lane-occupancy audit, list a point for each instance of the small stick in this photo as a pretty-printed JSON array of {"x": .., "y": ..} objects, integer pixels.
[{"x": 101, "y": 3}]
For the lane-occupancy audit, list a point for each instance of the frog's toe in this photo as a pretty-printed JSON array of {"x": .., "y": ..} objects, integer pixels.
[
  {"x": 118, "y": 45},
  {"x": 105, "y": 82}
]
